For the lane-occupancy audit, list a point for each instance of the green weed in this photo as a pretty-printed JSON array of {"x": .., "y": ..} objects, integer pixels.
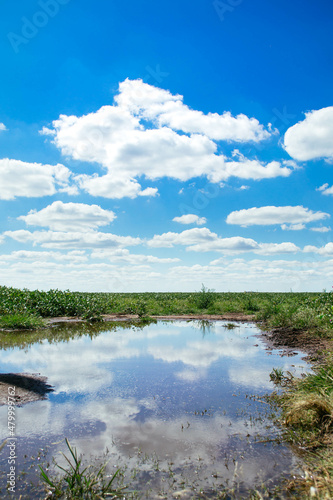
[
  {"x": 79, "y": 483},
  {"x": 299, "y": 311},
  {"x": 23, "y": 321},
  {"x": 205, "y": 298},
  {"x": 276, "y": 375}
]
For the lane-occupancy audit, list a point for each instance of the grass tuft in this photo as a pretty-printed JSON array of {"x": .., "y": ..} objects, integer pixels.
[
  {"x": 80, "y": 483},
  {"x": 309, "y": 411},
  {"x": 21, "y": 321}
]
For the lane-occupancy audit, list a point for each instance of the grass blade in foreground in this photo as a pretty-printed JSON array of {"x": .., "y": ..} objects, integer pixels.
[{"x": 80, "y": 484}]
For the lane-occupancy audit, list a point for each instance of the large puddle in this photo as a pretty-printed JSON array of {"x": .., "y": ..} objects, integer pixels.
[{"x": 176, "y": 403}]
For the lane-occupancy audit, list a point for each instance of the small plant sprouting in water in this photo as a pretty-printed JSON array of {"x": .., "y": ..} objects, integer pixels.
[
  {"x": 277, "y": 375},
  {"x": 80, "y": 483}
]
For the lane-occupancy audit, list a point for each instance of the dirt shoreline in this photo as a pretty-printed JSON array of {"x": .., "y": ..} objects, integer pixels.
[
  {"x": 20, "y": 388},
  {"x": 289, "y": 339},
  {"x": 187, "y": 317}
]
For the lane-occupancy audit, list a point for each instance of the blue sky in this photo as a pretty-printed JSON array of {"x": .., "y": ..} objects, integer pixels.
[{"x": 151, "y": 147}]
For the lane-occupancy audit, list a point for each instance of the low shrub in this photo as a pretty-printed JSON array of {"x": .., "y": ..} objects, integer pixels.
[{"x": 205, "y": 298}]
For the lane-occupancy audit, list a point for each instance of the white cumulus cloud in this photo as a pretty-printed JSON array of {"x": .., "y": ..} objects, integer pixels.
[
  {"x": 326, "y": 250},
  {"x": 297, "y": 216},
  {"x": 277, "y": 248},
  {"x": 321, "y": 229},
  {"x": 150, "y": 133},
  {"x": 293, "y": 227},
  {"x": 203, "y": 240},
  {"x": 74, "y": 257},
  {"x": 233, "y": 245},
  {"x": 68, "y": 240},
  {"x": 123, "y": 255},
  {"x": 113, "y": 186},
  {"x": 187, "y": 237},
  {"x": 190, "y": 219},
  {"x": 325, "y": 189},
  {"x": 311, "y": 138},
  {"x": 30, "y": 180},
  {"x": 166, "y": 109},
  {"x": 61, "y": 216}
]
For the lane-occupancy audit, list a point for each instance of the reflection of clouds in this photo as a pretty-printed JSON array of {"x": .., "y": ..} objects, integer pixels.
[
  {"x": 258, "y": 377},
  {"x": 204, "y": 353},
  {"x": 191, "y": 375},
  {"x": 128, "y": 424},
  {"x": 183, "y": 441},
  {"x": 77, "y": 365},
  {"x": 289, "y": 365},
  {"x": 248, "y": 376},
  {"x": 74, "y": 366},
  {"x": 85, "y": 365},
  {"x": 94, "y": 427},
  {"x": 172, "y": 437},
  {"x": 116, "y": 426},
  {"x": 35, "y": 419}
]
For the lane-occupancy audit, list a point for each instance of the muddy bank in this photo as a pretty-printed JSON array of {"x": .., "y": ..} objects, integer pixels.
[
  {"x": 290, "y": 339},
  {"x": 23, "y": 388},
  {"x": 131, "y": 317}
]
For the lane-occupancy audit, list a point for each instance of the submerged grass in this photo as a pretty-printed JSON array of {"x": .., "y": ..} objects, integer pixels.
[{"x": 81, "y": 483}]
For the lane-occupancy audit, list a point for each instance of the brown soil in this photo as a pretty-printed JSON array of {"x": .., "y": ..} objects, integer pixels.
[
  {"x": 290, "y": 339},
  {"x": 22, "y": 388},
  {"x": 131, "y": 317}
]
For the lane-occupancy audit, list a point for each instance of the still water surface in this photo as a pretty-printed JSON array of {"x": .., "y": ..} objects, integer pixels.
[{"x": 172, "y": 401}]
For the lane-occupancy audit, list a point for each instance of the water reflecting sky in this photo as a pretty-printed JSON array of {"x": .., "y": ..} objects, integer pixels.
[{"x": 173, "y": 390}]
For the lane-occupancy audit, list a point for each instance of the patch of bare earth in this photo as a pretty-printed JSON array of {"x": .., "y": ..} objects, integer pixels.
[
  {"x": 293, "y": 339},
  {"x": 23, "y": 388},
  {"x": 131, "y": 317}
]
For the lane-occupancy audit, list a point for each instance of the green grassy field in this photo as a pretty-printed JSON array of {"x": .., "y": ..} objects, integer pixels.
[{"x": 301, "y": 311}]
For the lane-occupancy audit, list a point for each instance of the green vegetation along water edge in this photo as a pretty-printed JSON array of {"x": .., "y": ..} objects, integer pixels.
[
  {"x": 302, "y": 311},
  {"x": 299, "y": 320}
]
